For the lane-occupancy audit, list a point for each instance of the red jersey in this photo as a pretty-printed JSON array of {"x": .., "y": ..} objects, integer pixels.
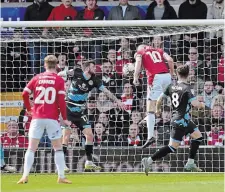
[
  {"x": 153, "y": 62},
  {"x": 18, "y": 141},
  {"x": 62, "y": 13},
  {"x": 49, "y": 96}
]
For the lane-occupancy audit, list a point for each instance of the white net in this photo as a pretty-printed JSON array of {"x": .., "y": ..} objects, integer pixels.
[{"x": 118, "y": 134}]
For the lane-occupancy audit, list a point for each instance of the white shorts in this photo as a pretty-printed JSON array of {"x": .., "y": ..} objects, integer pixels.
[
  {"x": 160, "y": 83},
  {"x": 38, "y": 126}
]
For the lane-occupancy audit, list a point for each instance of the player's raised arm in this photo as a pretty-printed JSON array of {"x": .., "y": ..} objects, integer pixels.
[
  {"x": 26, "y": 92},
  {"x": 113, "y": 98},
  {"x": 138, "y": 64},
  {"x": 170, "y": 62}
]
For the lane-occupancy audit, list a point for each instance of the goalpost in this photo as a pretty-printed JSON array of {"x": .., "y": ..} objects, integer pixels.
[{"x": 24, "y": 44}]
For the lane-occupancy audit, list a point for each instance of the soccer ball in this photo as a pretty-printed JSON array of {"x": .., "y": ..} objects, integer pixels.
[{"x": 128, "y": 69}]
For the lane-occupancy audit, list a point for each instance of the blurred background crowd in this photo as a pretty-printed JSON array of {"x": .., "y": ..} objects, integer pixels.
[{"x": 203, "y": 51}]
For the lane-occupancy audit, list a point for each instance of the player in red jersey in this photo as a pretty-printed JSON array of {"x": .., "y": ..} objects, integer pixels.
[
  {"x": 49, "y": 100},
  {"x": 159, "y": 77}
]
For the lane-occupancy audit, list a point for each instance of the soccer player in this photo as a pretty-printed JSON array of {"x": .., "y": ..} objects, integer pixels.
[
  {"x": 182, "y": 99},
  {"x": 5, "y": 167},
  {"x": 83, "y": 81},
  {"x": 49, "y": 100},
  {"x": 159, "y": 77}
]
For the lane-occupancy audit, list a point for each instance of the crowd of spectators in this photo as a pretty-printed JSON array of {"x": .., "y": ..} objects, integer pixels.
[{"x": 203, "y": 52}]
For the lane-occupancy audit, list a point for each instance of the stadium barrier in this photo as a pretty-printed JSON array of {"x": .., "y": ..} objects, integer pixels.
[{"x": 120, "y": 159}]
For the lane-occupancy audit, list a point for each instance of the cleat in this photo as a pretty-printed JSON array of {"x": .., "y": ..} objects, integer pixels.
[
  {"x": 23, "y": 180},
  {"x": 145, "y": 165},
  {"x": 92, "y": 166},
  {"x": 9, "y": 169},
  {"x": 64, "y": 180},
  {"x": 149, "y": 142},
  {"x": 192, "y": 168}
]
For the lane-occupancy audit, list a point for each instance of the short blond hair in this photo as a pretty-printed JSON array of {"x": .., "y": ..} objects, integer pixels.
[{"x": 50, "y": 61}]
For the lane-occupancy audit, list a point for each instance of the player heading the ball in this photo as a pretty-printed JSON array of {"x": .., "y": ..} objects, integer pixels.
[
  {"x": 49, "y": 100},
  {"x": 159, "y": 77},
  {"x": 182, "y": 99}
]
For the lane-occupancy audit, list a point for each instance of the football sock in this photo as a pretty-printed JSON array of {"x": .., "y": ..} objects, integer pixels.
[
  {"x": 65, "y": 149},
  {"x": 28, "y": 162},
  {"x": 60, "y": 163},
  {"x": 150, "y": 124},
  {"x": 89, "y": 152},
  {"x": 194, "y": 148},
  {"x": 163, "y": 152}
]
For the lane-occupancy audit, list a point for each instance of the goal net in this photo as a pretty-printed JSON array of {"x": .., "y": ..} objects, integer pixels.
[{"x": 118, "y": 134}]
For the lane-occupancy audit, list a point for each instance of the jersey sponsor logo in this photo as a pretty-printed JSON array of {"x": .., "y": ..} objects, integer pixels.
[
  {"x": 90, "y": 82},
  {"x": 46, "y": 81},
  {"x": 83, "y": 87}
]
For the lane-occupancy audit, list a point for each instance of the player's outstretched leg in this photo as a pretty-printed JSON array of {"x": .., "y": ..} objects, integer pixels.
[
  {"x": 195, "y": 142},
  {"x": 65, "y": 141},
  {"x": 29, "y": 160},
  {"x": 60, "y": 161},
  {"x": 171, "y": 148},
  {"x": 150, "y": 123},
  {"x": 89, "y": 165},
  {"x": 4, "y": 166}
]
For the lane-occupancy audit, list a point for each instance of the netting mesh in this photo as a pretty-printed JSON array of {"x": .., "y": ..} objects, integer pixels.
[{"x": 117, "y": 134}]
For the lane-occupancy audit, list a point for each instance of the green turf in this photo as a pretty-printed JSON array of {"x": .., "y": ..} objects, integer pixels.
[{"x": 118, "y": 183}]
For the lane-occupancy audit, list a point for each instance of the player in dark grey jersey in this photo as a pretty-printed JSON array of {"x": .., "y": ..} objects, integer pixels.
[{"x": 182, "y": 99}]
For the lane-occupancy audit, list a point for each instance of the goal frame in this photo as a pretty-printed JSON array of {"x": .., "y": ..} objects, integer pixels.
[{"x": 106, "y": 23}]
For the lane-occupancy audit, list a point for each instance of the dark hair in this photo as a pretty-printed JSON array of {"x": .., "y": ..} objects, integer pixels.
[
  {"x": 183, "y": 71},
  {"x": 86, "y": 64},
  {"x": 106, "y": 61}
]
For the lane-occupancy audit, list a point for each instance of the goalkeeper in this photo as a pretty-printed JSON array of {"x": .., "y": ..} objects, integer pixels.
[
  {"x": 83, "y": 81},
  {"x": 5, "y": 167}
]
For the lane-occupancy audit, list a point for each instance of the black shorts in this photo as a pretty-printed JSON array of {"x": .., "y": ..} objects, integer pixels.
[
  {"x": 179, "y": 131},
  {"x": 79, "y": 119}
]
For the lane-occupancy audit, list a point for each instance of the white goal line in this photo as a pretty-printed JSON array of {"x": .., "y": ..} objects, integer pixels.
[{"x": 106, "y": 23}]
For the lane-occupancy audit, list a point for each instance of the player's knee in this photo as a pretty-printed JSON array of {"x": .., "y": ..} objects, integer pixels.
[
  {"x": 198, "y": 140},
  {"x": 89, "y": 134},
  {"x": 151, "y": 106},
  {"x": 172, "y": 148}
]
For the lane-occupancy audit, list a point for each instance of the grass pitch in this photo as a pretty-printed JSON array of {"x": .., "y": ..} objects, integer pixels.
[{"x": 118, "y": 183}]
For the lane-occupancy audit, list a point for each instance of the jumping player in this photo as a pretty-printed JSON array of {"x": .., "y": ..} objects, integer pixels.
[
  {"x": 182, "y": 99},
  {"x": 159, "y": 77},
  {"x": 83, "y": 81},
  {"x": 49, "y": 100}
]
